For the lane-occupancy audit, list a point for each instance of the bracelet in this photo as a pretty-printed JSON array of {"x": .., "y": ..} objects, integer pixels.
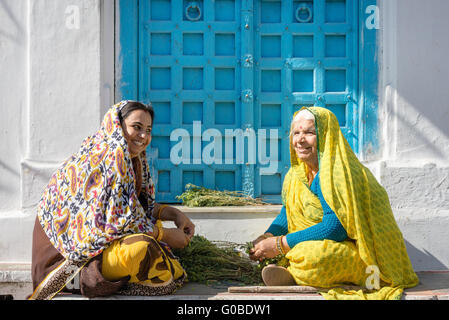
[
  {"x": 283, "y": 247},
  {"x": 161, "y": 207},
  {"x": 160, "y": 234},
  {"x": 279, "y": 245}
]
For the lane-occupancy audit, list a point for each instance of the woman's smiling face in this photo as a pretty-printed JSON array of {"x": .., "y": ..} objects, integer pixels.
[
  {"x": 304, "y": 140},
  {"x": 137, "y": 128}
]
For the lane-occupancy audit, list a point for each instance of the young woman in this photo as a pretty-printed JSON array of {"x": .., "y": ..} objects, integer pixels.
[{"x": 98, "y": 219}]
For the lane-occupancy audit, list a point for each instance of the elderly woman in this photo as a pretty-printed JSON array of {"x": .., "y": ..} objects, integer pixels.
[
  {"x": 98, "y": 229},
  {"x": 336, "y": 226}
]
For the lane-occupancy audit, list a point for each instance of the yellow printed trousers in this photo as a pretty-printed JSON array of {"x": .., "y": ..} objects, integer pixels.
[{"x": 149, "y": 264}]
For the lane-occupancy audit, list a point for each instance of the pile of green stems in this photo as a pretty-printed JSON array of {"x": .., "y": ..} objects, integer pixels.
[
  {"x": 205, "y": 261},
  {"x": 195, "y": 196}
]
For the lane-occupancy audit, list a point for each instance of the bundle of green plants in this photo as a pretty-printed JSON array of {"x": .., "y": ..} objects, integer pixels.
[
  {"x": 206, "y": 262},
  {"x": 196, "y": 196}
]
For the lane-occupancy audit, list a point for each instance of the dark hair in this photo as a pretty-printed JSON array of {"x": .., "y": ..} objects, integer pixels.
[{"x": 135, "y": 105}]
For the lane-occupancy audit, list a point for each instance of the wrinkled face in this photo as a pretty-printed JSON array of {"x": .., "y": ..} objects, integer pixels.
[
  {"x": 304, "y": 140},
  {"x": 137, "y": 130}
]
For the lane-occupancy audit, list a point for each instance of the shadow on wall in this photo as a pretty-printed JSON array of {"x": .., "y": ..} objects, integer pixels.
[
  {"x": 4, "y": 186},
  {"x": 9, "y": 169},
  {"x": 423, "y": 260},
  {"x": 421, "y": 72},
  {"x": 419, "y": 140},
  {"x": 16, "y": 31}
]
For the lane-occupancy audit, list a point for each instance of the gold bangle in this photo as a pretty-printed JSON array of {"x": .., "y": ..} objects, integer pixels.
[
  {"x": 283, "y": 247},
  {"x": 279, "y": 245},
  {"x": 160, "y": 234}
]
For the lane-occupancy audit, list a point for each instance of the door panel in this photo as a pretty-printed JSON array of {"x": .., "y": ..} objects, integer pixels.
[
  {"x": 190, "y": 73},
  {"x": 306, "y": 54},
  {"x": 226, "y": 76}
]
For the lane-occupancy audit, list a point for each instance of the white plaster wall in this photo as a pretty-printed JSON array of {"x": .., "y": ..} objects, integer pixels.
[
  {"x": 64, "y": 77},
  {"x": 51, "y": 94},
  {"x": 13, "y": 99},
  {"x": 414, "y": 115},
  {"x": 416, "y": 77}
]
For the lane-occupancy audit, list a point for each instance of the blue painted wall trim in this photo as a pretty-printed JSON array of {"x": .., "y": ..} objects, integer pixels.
[
  {"x": 368, "y": 84},
  {"x": 247, "y": 83},
  {"x": 127, "y": 85}
]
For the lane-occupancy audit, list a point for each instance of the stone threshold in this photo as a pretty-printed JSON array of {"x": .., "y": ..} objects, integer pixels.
[{"x": 269, "y": 208}]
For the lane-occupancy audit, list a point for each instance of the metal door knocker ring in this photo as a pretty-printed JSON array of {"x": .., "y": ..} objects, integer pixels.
[
  {"x": 191, "y": 8},
  {"x": 303, "y": 8}
]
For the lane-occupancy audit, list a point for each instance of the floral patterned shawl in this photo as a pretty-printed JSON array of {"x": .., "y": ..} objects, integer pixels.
[{"x": 91, "y": 200}]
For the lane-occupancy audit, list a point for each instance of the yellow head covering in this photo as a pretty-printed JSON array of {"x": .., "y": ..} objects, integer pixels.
[{"x": 360, "y": 203}]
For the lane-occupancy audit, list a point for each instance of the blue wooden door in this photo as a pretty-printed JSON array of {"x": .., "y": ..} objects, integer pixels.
[{"x": 225, "y": 78}]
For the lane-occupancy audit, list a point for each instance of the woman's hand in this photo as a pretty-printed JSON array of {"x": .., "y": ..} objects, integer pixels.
[
  {"x": 264, "y": 249},
  {"x": 180, "y": 220},
  {"x": 175, "y": 238},
  {"x": 258, "y": 239},
  {"x": 262, "y": 237},
  {"x": 184, "y": 223}
]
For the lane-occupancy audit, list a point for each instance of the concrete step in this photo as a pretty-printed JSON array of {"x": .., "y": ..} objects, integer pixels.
[{"x": 15, "y": 282}]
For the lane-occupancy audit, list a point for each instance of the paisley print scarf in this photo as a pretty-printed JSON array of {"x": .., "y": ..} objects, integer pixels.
[{"x": 91, "y": 200}]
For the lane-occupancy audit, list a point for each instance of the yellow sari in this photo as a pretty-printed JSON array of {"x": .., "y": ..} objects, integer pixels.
[{"x": 374, "y": 256}]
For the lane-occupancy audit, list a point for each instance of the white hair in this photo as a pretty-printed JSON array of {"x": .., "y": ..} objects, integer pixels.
[{"x": 304, "y": 114}]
